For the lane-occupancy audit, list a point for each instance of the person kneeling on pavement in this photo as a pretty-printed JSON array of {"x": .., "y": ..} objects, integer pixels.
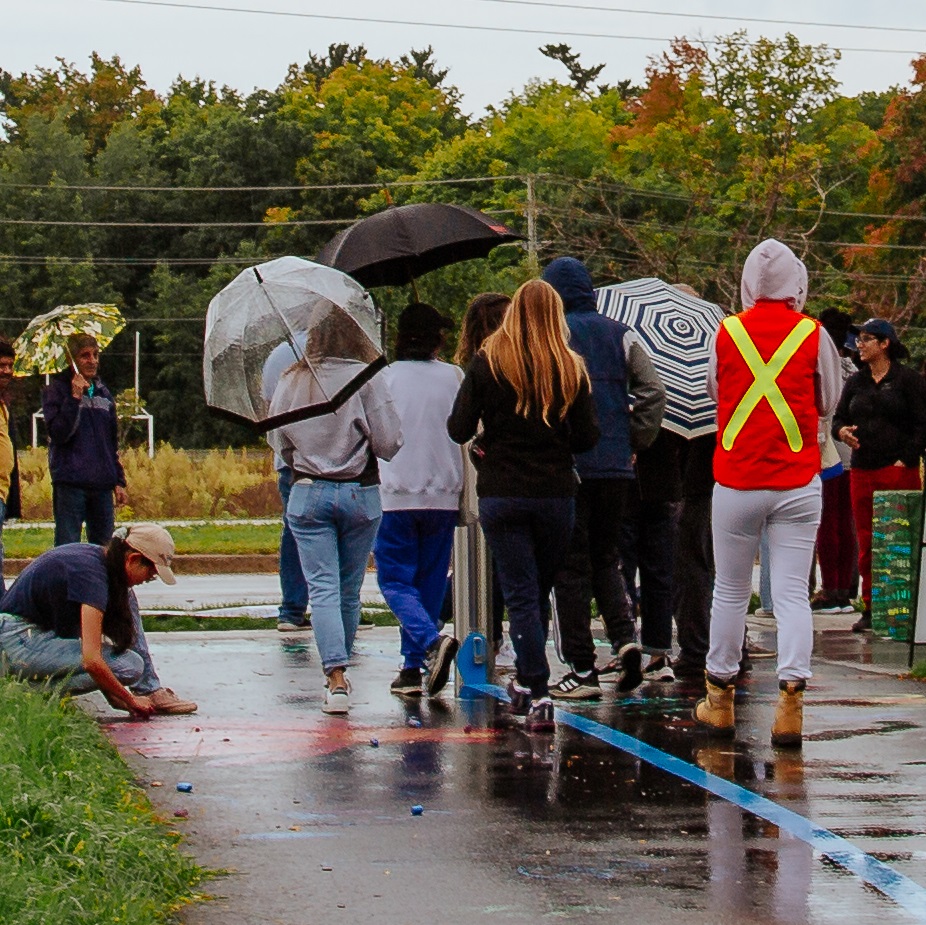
[{"x": 72, "y": 618}]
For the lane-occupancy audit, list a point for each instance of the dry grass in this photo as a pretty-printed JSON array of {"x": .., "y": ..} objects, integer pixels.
[{"x": 175, "y": 484}]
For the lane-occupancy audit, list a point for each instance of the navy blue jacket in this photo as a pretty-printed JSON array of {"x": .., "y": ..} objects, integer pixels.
[
  {"x": 600, "y": 342},
  {"x": 82, "y": 435}
]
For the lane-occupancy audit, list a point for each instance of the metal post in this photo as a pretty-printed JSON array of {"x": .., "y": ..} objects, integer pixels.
[
  {"x": 532, "y": 224},
  {"x": 137, "y": 365},
  {"x": 472, "y": 606}
]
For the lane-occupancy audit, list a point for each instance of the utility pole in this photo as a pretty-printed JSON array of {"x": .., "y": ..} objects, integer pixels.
[{"x": 532, "y": 260}]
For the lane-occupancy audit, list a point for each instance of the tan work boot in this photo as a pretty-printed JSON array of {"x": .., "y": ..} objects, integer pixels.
[
  {"x": 789, "y": 714},
  {"x": 715, "y": 711}
]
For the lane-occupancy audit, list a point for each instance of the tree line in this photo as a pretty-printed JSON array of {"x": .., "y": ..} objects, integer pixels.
[{"x": 111, "y": 192}]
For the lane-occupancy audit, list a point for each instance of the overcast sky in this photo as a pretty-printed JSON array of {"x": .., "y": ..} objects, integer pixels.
[{"x": 247, "y": 50}]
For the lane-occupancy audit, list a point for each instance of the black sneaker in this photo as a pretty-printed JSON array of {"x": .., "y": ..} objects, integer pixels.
[
  {"x": 294, "y": 626},
  {"x": 577, "y": 687},
  {"x": 688, "y": 670},
  {"x": 437, "y": 664},
  {"x": 520, "y": 698},
  {"x": 863, "y": 623},
  {"x": 631, "y": 676},
  {"x": 540, "y": 716},
  {"x": 407, "y": 683}
]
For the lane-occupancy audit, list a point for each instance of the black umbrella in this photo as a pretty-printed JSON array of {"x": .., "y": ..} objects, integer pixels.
[{"x": 393, "y": 247}]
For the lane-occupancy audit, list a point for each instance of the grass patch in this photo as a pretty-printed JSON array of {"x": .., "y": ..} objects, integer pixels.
[
  {"x": 201, "y": 539},
  {"x": 919, "y": 671},
  {"x": 79, "y": 842},
  {"x": 187, "y": 622}
]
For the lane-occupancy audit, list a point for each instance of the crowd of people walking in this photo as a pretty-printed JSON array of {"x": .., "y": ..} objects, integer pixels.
[{"x": 550, "y": 434}]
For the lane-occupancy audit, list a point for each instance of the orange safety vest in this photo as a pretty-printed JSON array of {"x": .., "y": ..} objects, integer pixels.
[{"x": 766, "y": 406}]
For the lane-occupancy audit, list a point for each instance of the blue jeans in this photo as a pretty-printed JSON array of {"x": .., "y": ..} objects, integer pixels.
[
  {"x": 148, "y": 682},
  {"x": 529, "y": 539},
  {"x": 73, "y": 506},
  {"x": 41, "y": 655},
  {"x": 412, "y": 552},
  {"x": 292, "y": 582},
  {"x": 334, "y": 524}
]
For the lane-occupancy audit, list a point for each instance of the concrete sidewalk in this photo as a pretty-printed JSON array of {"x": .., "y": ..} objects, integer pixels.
[{"x": 315, "y": 820}]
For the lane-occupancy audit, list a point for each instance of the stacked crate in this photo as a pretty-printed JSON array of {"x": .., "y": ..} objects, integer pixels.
[{"x": 895, "y": 558}]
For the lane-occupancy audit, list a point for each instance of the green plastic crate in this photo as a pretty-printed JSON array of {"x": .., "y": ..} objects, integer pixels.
[{"x": 895, "y": 554}]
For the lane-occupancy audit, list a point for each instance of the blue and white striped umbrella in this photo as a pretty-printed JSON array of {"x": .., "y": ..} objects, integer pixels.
[{"x": 676, "y": 329}]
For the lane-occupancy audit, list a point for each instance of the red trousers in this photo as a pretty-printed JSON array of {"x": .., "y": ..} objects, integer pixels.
[
  {"x": 837, "y": 547},
  {"x": 865, "y": 482}
]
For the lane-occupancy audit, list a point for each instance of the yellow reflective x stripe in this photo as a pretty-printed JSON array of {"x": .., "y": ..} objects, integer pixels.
[{"x": 764, "y": 384}]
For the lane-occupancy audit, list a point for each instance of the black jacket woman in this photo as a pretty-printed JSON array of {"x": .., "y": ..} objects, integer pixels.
[
  {"x": 532, "y": 395},
  {"x": 881, "y": 417}
]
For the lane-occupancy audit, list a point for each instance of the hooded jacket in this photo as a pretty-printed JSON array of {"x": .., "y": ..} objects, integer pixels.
[
  {"x": 83, "y": 435},
  {"x": 628, "y": 394},
  {"x": 762, "y": 450}
]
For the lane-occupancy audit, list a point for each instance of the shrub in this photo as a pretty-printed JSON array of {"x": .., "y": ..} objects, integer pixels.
[{"x": 175, "y": 484}]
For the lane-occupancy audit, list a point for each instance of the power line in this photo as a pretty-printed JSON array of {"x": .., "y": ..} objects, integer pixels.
[
  {"x": 443, "y": 25},
  {"x": 553, "y": 179},
  {"x": 682, "y": 197},
  {"x": 382, "y": 185},
  {"x": 46, "y": 221},
  {"x": 695, "y": 230},
  {"x": 753, "y": 19}
]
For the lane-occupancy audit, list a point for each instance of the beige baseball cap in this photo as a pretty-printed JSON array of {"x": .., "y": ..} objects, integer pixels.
[{"x": 154, "y": 543}]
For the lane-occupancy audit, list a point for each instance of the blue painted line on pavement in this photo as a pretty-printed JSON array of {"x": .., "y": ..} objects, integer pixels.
[{"x": 901, "y": 889}]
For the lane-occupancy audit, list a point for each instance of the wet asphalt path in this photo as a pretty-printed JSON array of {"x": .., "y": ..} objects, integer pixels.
[{"x": 316, "y": 822}]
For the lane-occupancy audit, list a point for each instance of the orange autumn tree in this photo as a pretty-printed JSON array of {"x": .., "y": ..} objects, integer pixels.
[{"x": 890, "y": 270}]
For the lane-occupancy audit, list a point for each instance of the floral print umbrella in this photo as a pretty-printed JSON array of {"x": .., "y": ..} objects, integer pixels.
[{"x": 41, "y": 347}]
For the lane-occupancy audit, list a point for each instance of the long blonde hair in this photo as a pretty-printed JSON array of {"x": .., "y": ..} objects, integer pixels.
[{"x": 531, "y": 351}]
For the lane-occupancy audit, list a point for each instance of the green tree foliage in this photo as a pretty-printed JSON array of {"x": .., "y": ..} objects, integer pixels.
[
  {"x": 111, "y": 192},
  {"x": 891, "y": 267},
  {"x": 724, "y": 147}
]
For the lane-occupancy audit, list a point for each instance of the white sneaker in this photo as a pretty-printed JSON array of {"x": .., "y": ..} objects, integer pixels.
[
  {"x": 337, "y": 699},
  {"x": 505, "y": 656},
  {"x": 762, "y": 612}
]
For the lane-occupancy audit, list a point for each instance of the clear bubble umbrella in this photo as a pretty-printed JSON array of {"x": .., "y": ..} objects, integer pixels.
[{"x": 288, "y": 340}]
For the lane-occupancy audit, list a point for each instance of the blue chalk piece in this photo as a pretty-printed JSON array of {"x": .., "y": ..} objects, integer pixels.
[
  {"x": 417, "y": 809},
  {"x": 374, "y": 743},
  {"x": 414, "y": 722},
  {"x": 184, "y": 787}
]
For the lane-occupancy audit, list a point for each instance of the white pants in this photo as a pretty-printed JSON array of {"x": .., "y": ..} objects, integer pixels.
[{"x": 792, "y": 518}]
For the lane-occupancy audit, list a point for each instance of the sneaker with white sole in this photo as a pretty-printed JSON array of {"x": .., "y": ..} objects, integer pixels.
[
  {"x": 540, "y": 716},
  {"x": 659, "y": 668},
  {"x": 288, "y": 626},
  {"x": 439, "y": 658},
  {"x": 575, "y": 686},
  {"x": 519, "y": 699},
  {"x": 630, "y": 678},
  {"x": 337, "y": 697},
  {"x": 407, "y": 683}
]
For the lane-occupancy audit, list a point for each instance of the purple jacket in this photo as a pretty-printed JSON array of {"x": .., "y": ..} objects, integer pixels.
[{"x": 82, "y": 435}]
